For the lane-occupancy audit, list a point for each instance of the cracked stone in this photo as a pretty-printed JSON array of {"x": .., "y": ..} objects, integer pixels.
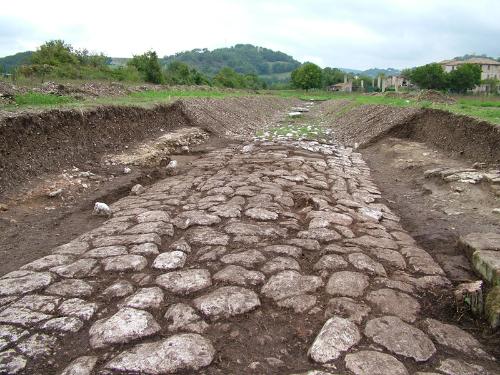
[
  {"x": 292, "y": 251},
  {"x": 290, "y": 283},
  {"x": 22, "y": 316},
  {"x": 63, "y": 324},
  {"x": 10, "y": 335},
  {"x": 347, "y": 283},
  {"x": 145, "y": 298},
  {"x": 27, "y": 282},
  {"x": 186, "y": 281},
  {"x": 261, "y": 214},
  {"x": 330, "y": 262},
  {"x": 48, "y": 261},
  {"x": 368, "y": 362},
  {"x": 212, "y": 254},
  {"x": 146, "y": 249},
  {"x": 247, "y": 258},
  {"x": 70, "y": 288},
  {"x": 364, "y": 263},
  {"x": 280, "y": 264},
  {"x": 337, "y": 336},
  {"x": 184, "y": 317},
  {"x": 153, "y": 216},
  {"x": 299, "y": 304},
  {"x": 78, "y": 308},
  {"x": 81, "y": 366},
  {"x": 393, "y": 302},
  {"x": 120, "y": 288},
  {"x": 391, "y": 257},
  {"x": 322, "y": 235},
  {"x": 123, "y": 263},
  {"x": 322, "y": 219},
  {"x": 154, "y": 227},
  {"x": 400, "y": 338},
  {"x": 180, "y": 245},
  {"x": 123, "y": 327},
  {"x": 183, "y": 352},
  {"x": 170, "y": 260},
  {"x": 80, "y": 268},
  {"x": 239, "y": 275},
  {"x": 227, "y": 301},
  {"x": 455, "y": 338},
  {"x": 347, "y": 308},
  {"x": 37, "y": 302}
]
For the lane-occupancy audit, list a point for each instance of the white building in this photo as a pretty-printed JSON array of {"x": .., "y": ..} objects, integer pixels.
[{"x": 490, "y": 69}]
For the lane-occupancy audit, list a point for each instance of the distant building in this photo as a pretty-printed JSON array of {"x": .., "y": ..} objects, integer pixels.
[
  {"x": 344, "y": 87},
  {"x": 490, "y": 69}
]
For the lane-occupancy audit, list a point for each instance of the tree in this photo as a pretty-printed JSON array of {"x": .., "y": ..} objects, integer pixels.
[
  {"x": 331, "y": 76},
  {"x": 464, "y": 77},
  {"x": 55, "y": 53},
  {"x": 149, "y": 66},
  {"x": 307, "y": 76},
  {"x": 430, "y": 76},
  {"x": 227, "y": 77}
]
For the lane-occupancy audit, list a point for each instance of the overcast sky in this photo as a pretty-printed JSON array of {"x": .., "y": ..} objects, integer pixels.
[{"x": 357, "y": 34}]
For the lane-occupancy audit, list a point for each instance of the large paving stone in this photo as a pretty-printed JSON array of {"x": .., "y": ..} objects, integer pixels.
[
  {"x": 330, "y": 262},
  {"x": 322, "y": 219},
  {"x": 38, "y": 345},
  {"x": 347, "y": 283},
  {"x": 369, "y": 241},
  {"x": 65, "y": 324},
  {"x": 290, "y": 283},
  {"x": 453, "y": 337},
  {"x": 240, "y": 276},
  {"x": 70, "y": 288},
  {"x": 26, "y": 282},
  {"x": 299, "y": 304},
  {"x": 122, "y": 263},
  {"x": 227, "y": 301},
  {"x": 78, "y": 308},
  {"x": 263, "y": 230},
  {"x": 347, "y": 308},
  {"x": 120, "y": 288},
  {"x": 323, "y": 235},
  {"x": 153, "y": 216},
  {"x": 129, "y": 239},
  {"x": 248, "y": 258},
  {"x": 186, "y": 281},
  {"x": 170, "y": 260},
  {"x": 187, "y": 219},
  {"x": 393, "y": 302},
  {"x": 81, "y": 366},
  {"x": 49, "y": 261},
  {"x": 280, "y": 264},
  {"x": 400, "y": 338},
  {"x": 479, "y": 241},
  {"x": 206, "y": 236},
  {"x": 452, "y": 366},
  {"x": 184, "y": 352},
  {"x": 125, "y": 326},
  {"x": 38, "y": 302},
  {"x": 261, "y": 214},
  {"x": 10, "y": 334},
  {"x": 364, "y": 263},
  {"x": 154, "y": 227},
  {"x": 368, "y": 362},
  {"x": 80, "y": 268},
  {"x": 288, "y": 250},
  {"x": 22, "y": 316},
  {"x": 105, "y": 252},
  {"x": 487, "y": 264},
  {"x": 183, "y": 317},
  {"x": 145, "y": 298},
  {"x": 337, "y": 336}
]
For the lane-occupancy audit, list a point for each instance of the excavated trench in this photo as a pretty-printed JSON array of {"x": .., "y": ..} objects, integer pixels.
[{"x": 398, "y": 144}]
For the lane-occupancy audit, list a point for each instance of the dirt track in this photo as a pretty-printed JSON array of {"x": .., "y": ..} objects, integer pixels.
[{"x": 254, "y": 249}]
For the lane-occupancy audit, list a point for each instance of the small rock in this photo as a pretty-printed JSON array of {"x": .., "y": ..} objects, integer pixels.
[
  {"x": 137, "y": 189},
  {"x": 367, "y": 362},
  {"x": 102, "y": 209},
  {"x": 347, "y": 283},
  {"x": 127, "y": 170},
  {"x": 145, "y": 298},
  {"x": 184, "y": 317},
  {"x": 55, "y": 193},
  {"x": 170, "y": 260},
  {"x": 185, "y": 282},
  {"x": 227, "y": 301}
]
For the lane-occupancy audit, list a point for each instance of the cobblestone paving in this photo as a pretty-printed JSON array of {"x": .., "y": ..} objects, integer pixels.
[{"x": 286, "y": 235}]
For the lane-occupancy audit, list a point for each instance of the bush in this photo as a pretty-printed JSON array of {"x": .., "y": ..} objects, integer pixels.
[
  {"x": 149, "y": 66},
  {"x": 307, "y": 76}
]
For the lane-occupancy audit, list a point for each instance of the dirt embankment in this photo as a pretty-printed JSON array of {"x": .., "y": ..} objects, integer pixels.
[
  {"x": 462, "y": 136},
  {"x": 36, "y": 144}
]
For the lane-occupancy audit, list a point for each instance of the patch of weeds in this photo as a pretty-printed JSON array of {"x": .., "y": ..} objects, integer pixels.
[
  {"x": 36, "y": 99},
  {"x": 295, "y": 132}
]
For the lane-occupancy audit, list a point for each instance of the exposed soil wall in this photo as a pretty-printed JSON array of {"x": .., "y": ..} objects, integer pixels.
[
  {"x": 32, "y": 144},
  {"x": 467, "y": 137}
]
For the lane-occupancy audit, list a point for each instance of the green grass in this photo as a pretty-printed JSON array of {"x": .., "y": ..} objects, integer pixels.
[
  {"x": 296, "y": 131},
  {"x": 39, "y": 99}
]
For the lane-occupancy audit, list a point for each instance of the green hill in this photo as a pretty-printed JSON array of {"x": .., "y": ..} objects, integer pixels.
[
  {"x": 8, "y": 63},
  {"x": 271, "y": 65}
]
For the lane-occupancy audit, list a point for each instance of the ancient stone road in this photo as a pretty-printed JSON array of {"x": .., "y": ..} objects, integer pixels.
[{"x": 269, "y": 258}]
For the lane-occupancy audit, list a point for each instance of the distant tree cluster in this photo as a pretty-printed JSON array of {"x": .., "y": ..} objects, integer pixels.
[{"x": 433, "y": 76}]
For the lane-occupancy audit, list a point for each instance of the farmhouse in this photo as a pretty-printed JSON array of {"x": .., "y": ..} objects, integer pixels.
[{"x": 490, "y": 70}]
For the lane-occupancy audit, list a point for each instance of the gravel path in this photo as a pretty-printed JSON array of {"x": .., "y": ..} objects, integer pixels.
[{"x": 268, "y": 258}]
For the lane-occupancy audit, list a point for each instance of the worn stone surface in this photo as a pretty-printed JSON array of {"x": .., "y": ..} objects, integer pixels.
[
  {"x": 170, "y": 260},
  {"x": 368, "y": 362},
  {"x": 125, "y": 326},
  {"x": 453, "y": 366},
  {"x": 393, "y": 302},
  {"x": 347, "y": 308},
  {"x": 400, "y": 338},
  {"x": 11, "y": 362},
  {"x": 290, "y": 283},
  {"x": 79, "y": 308},
  {"x": 123, "y": 263},
  {"x": 81, "y": 366},
  {"x": 184, "y": 352},
  {"x": 299, "y": 304},
  {"x": 27, "y": 282},
  {"x": 227, "y": 301},
  {"x": 336, "y": 337},
  {"x": 145, "y": 298},
  {"x": 239, "y": 275},
  {"x": 183, "y": 317},
  {"x": 280, "y": 264},
  {"x": 185, "y": 282},
  {"x": 70, "y": 288},
  {"x": 347, "y": 283}
]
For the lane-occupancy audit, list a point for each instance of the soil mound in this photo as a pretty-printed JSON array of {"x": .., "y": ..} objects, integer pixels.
[{"x": 434, "y": 97}]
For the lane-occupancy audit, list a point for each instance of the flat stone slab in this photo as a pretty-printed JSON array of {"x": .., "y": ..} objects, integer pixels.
[
  {"x": 145, "y": 298},
  {"x": 121, "y": 288},
  {"x": 400, "y": 338},
  {"x": 184, "y": 352},
  {"x": 27, "y": 282},
  {"x": 288, "y": 250},
  {"x": 227, "y": 301},
  {"x": 248, "y": 258},
  {"x": 452, "y": 366},
  {"x": 125, "y": 326},
  {"x": 187, "y": 219},
  {"x": 348, "y": 308},
  {"x": 262, "y": 230},
  {"x": 129, "y": 239},
  {"x": 48, "y": 261},
  {"x": 70, "y": 288},
  {"x": 480, "y": 241},
  {"x": 330, "y": 262},
  {"x": 290, "y": 283},
  {"x": 186, "y": 281},
  {"x": 170, "y": 260},
  {"x": 261, "y": 214},
  {"x": 184, "y": 317},
  {"x": 239, "y": 275},
  {"x": 455, "y": 338},
  {"x": 81, "y": 366},
  {"x": 123, "y": 263},
  {"x": 106, "y": 252},
  {"x": 298, "y": 304},
  {"x": 64, "y": 324},
  {"x": 280, "y": 264},
  {"x": 206, "y": 236},
  {"x": 336, "y": 337},
  {"x": 364, "y": 263},
  {"x": 22, "y": 316},
  {"x": 80, "y": 268},
  {"x": 368, "y": 362},
  {"x": 79, "y": 308},
  {"x": 38, "y": 345},
  {"x": 487, "y": 264},
  {"x": 38, "y": 302},
  {"x": 393, "y": 302},
  {"x": 347, "y": 283}
]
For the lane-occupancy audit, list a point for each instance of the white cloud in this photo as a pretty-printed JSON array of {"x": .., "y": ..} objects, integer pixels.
[{"x": 348, "y": 33}]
